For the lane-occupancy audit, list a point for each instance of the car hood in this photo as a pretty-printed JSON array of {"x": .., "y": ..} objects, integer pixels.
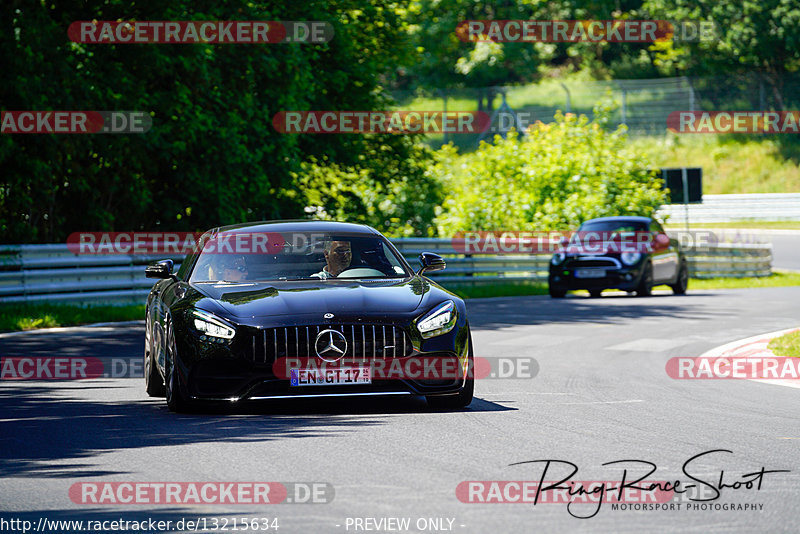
[{"x": 340, "y": 297}]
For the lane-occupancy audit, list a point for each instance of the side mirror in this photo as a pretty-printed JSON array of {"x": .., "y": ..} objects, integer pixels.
[
  {"x": 430, "y": 262},
  {"x": 162, "y": 269}
]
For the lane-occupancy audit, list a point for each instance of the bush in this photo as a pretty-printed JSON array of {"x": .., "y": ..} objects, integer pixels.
[
  {"x": 558, "y": 176},
  {"x": 393, "y": 193}
]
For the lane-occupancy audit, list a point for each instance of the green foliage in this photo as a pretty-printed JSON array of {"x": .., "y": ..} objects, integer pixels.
[
  {"x": 751, "y": 35},
  {"x": 212, "y": 156},
  {"x": 45, "y": 315},
  {"x": 397, "y": 196},
  {"x": 558, "y": 176}
]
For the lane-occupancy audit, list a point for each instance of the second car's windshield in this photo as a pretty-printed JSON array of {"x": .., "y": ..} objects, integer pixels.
[{"x": 246, "y": 256}]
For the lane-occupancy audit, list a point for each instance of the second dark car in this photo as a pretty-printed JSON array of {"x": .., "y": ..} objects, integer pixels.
[{"x": 628, "y": 253}]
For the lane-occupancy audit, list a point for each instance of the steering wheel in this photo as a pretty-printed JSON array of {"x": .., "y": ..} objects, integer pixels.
[{"x": 360, "y": 272}]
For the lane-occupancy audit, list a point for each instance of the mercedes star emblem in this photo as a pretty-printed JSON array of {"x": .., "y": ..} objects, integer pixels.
[
  {"x": 328, "y": 316},
  {"x": 330, "y": 345}
]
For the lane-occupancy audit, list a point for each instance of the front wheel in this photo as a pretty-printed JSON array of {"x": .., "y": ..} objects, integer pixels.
[
  {"x": 679, "y": 288},
  {"x": 556, "y": 292},
  {"x": 176, "y": 401},
  {"x": 154, "y": 384},
  {"x": 464, "y": 397},
  {"x": 645, "y": 288}
]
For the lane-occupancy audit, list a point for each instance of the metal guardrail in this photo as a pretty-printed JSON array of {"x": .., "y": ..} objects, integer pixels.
[
  {"x": 724, "y": 208},
  {"x": 51, "y": 273}
]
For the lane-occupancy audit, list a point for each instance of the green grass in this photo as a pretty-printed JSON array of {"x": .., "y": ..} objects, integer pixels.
[
  {"x": 32, "y": 316},
  {"x": 731, "y": 164},
  {"x": 786, "y": 345},
  {"x": 505, "y": 289},
  {"x": 777, "y": 279},
  {"x": 514, "y": 289}
]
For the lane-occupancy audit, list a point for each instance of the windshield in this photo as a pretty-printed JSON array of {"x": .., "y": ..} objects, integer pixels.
[{"x": 252, "y": 257}]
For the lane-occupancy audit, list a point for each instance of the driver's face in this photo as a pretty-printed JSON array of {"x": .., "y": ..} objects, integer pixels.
[
  {"x": 235, "y": 272},
  {"x": 339, "y": 257}
]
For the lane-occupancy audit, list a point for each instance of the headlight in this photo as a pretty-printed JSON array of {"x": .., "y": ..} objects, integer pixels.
[
  {"x": 212, "y": 326},
  {"x": 629, "y": 258},
  {"x": 558, "y": 258},
  {"x": 439, "y": 320}
]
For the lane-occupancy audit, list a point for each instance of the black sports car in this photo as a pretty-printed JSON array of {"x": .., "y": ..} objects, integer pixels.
[
  {"x": 303, "y": 309},
  {"x": 628, "y": 253}
]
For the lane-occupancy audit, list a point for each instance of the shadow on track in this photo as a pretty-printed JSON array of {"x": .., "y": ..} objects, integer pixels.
[
  {"x": 43, "y": 422},
  {"x": 610, "y": 309}
]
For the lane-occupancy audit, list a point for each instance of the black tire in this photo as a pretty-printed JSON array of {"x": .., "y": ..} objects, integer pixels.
[
  {"x": 556, "y": 292},
  {"x": 679, "y": 288},
  {"x": 595, "y": 293},
  {"x": 645, "y": 288},
  {"x": 464, "y": 397},
  {"x": 176, "y": 401},
  {"x": 154, "y": 384}
]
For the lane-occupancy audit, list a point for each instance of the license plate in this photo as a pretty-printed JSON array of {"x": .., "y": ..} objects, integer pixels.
[
  {"x": 590, "y": 273},
  {"x": 330, "y": 377}
]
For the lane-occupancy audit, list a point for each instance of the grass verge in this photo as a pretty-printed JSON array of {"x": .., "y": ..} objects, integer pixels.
[
  {"x": 786, "y": 345},
  {"x": 30, "y": 317},
  {"x": 517, "y": 289},
  {"x": 33, "y": 316}
]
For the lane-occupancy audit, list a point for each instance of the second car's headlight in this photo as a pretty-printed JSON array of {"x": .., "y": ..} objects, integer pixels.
[
  {"x": 558, "y": 258},
  {"x": 439, "y": 320},
  {"x": 629, "y": 258},
  {"x": 212, "y": 326}
]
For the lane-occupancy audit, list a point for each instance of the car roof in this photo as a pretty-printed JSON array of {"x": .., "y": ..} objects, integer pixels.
[
  {"x": 625, "y": 218},
  {"x": 298, "y": 225}
]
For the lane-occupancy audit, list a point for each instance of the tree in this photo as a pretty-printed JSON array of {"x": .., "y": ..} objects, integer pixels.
[{"x": 212, "y": 156}]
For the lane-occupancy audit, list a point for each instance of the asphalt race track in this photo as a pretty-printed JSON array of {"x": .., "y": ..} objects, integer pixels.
[{"x": 601, "y": 394}]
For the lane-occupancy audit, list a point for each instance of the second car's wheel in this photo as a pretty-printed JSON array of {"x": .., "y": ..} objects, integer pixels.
[
  {"x": 154, "y": 384},
  {"x": 176, "y": 401},
  {"x": 680, "y": 286},
  {"x": 557, "y": 292},
  {"x": 645, "y": 288},
  {"x": 595, "y": 293},
  {"x": 464, "y": 397}
]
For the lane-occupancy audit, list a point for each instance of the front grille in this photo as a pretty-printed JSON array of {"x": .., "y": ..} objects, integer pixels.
[
  {"x": 365, "y": 341},
  {"x": 579, "y": 263}
]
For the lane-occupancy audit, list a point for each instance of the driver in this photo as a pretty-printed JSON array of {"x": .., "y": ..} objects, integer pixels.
[
  {"x": 230, "y": 268},
  {"x": 338, "y": 255}
]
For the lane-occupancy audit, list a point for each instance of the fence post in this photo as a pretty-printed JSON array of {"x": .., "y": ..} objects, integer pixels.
[{"x": 569, "y": 102}]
